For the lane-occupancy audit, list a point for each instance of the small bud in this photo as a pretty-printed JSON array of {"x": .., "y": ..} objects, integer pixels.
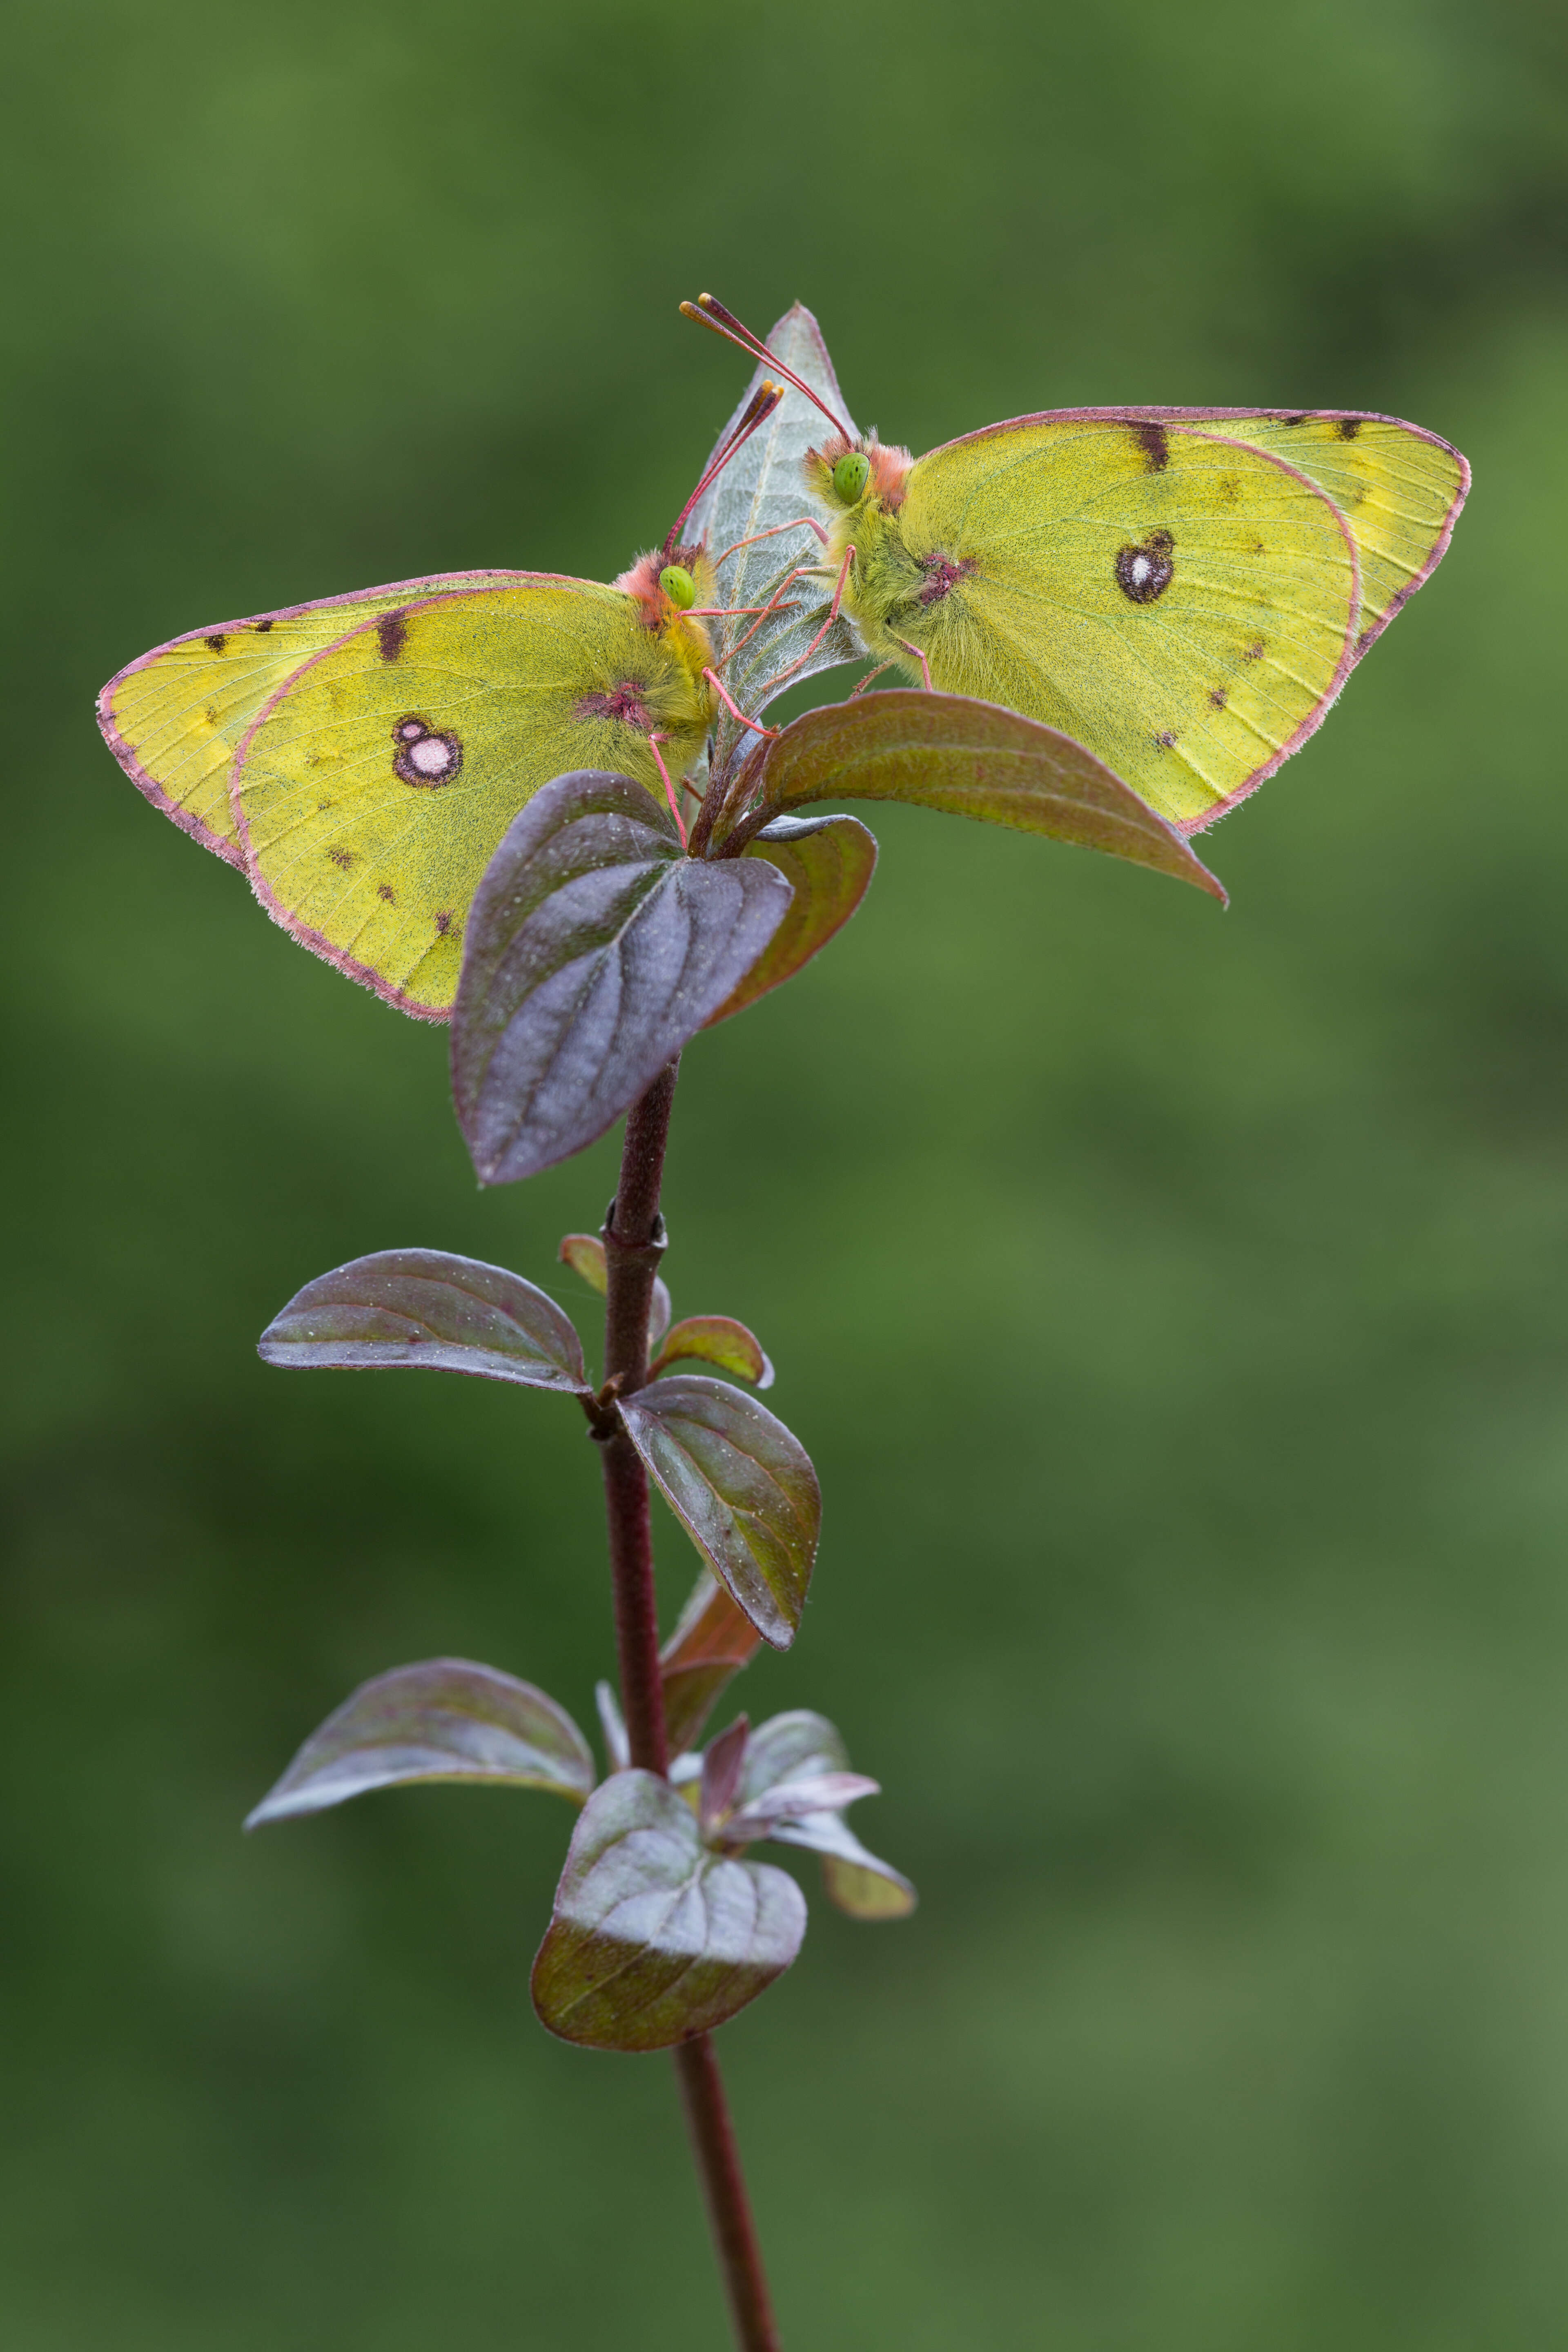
[
  {"x": 850, "y": 476},
  {"x": 678, "y": 586}
]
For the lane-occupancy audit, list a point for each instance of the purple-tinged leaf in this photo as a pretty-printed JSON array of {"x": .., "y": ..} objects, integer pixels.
[
  {"x": 803, "y": 1752},
  {"x": 595, "y": 949},
  {"x": 741, "y": 1487},
  {"x": 971, "y": 758},
  {"x": 712, "y": 1640},
  {"x": 585, "y": 1254},
  {"x": 444, "y": 1719},
  {"x": 828, "y": 861},
  {"x": 859, "y": 1883},
  {"x": 423, "y": 1310},
  {"x": 613, "y": 1724},
  {"x": 791, "y": 1747},
  {"x": 818, "y": 1792},
  {"x": 721, "y": 1766},
  {"x": 654, "y": 1938},
  {"x": 719, "y": 1340}
]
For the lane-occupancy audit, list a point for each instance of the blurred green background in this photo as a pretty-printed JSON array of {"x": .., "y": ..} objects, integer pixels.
[{"x": 1175, "y": 1302}]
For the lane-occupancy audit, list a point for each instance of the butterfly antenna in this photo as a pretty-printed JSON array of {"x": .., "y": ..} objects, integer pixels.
[
  {"x": 709, "y": 311},
  {"x": 758, "y": 409}
]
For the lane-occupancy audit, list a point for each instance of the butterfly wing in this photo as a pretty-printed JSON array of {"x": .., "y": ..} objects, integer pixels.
[
  {"x": 174, "y": 718},
  {"x": 1182, "y": 605},
  {"x": 374, "y": 785},
  {"x": 1399, "y": 488}
]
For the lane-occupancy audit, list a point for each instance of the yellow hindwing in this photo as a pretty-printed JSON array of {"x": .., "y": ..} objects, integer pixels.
[
  {"x": 1184, "y": 605},
  {"x": 1399, "y": 488},
  {"x": 373, "y": 791},
  {"x": 175, "y": 718}
]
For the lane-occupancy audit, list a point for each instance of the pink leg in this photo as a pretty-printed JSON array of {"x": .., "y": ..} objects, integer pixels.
[
  {"x": 653, "y": 743},
  {"x": 832, "y": 615},
  {"x": 717, "y": 683},
  {"x": 925, "y": 666},
  {"x": 805, "y": 523},
  {"x": 776, "y": 606},
  {"x": 866, "y": 681}
]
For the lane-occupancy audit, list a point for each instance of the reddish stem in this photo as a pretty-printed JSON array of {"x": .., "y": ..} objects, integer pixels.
[
  {"x": 634, "y": 1243},
  {"x": 724, "y": 2187}
]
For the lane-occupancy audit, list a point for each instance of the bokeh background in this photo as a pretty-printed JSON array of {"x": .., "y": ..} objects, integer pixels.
[{"x": 1175, "y": 1302}]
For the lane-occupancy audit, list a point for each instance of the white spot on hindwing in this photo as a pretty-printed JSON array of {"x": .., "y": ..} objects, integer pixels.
[{"x": 425, "y": 755}]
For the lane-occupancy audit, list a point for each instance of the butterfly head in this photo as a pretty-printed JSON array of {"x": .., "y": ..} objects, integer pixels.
[
  {"x": 666, "y": 583},
  {"x": 850, "y": 473}
]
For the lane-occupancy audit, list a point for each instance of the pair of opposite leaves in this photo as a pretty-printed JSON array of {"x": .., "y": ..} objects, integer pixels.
[{"x": 1183, "y": 591}]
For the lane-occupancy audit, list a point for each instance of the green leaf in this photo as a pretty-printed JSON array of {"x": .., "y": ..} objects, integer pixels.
[
  {"x": 654, "y": 1938},
  {"x": 761, "y": 487},
  {"x": 712, "y": 1640},
  {"x": 716, "y": 1340},
  {"x": 585, "y": 1254},
  {"x": 424, "y": 1310},
  {"x": 829, "y": 861},
  {"x": 741, "y": 1487},
  {"x": 444, "y": 1719},
  {"x": 970, "y": 759},
  {"x": 593, "y": 950}
]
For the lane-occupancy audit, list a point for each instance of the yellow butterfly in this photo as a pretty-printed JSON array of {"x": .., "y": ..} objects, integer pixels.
[
  {"x": 1184, "y": 591},
  {"x": 361, "y": 758}
]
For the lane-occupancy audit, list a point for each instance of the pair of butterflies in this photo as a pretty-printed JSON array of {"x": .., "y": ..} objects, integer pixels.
[{"x": 1183, "y": 591}]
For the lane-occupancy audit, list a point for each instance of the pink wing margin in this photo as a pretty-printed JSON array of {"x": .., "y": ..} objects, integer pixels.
[
  {"x": 304, "y": 933},
  {"x": 231, "y": 852}
]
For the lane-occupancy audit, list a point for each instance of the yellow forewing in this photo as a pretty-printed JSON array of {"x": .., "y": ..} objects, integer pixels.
[
  {"x": 1183, "y": 605},
  {"x": 1400, "y": 490},
  {"x": 374, "y": 790},
  {"x": 175, "y": 718}
]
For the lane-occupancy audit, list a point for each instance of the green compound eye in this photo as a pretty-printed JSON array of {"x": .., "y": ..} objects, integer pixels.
[
  {"x": 678, "y": 586},
  {"x": 850, "y": 475}
]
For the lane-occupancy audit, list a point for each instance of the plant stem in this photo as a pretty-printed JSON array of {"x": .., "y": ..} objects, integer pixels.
[
  {"x": 634, "y": 1243},
  {"x": 724, "y": 2187}
]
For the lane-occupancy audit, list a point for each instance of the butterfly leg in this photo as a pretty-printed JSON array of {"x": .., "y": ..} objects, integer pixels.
[
  {"x": 717, "y": 683},
  {"x": 762, "y": 612},
  {"x": 871, "y": 674},
  {"x": 802, "y": 660},
  {"x": 925, "y": 666},
  {"x": 653, "y": 743},
  {"x": 802, "y": 522}
]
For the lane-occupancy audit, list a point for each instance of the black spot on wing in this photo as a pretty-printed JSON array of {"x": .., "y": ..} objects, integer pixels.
[
  {"x": 1155, "y": 442},
  {"x": 262, "y": 627},
  {"x": 1348, "y": 427},
  {"x": 343, "y": 857},
  {"x": 1145, "y": 571},
  {"x": 1218, "y": 696},
  {"x": 384, "y": 891},
  {"x": 216, "y": 643},
  {"x": 392, "y": 635}
]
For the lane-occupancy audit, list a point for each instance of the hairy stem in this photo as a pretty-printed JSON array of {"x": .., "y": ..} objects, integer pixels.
[
  {"x": 634, "y": 1243},
  {"x": 724, "y": 2187}
]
